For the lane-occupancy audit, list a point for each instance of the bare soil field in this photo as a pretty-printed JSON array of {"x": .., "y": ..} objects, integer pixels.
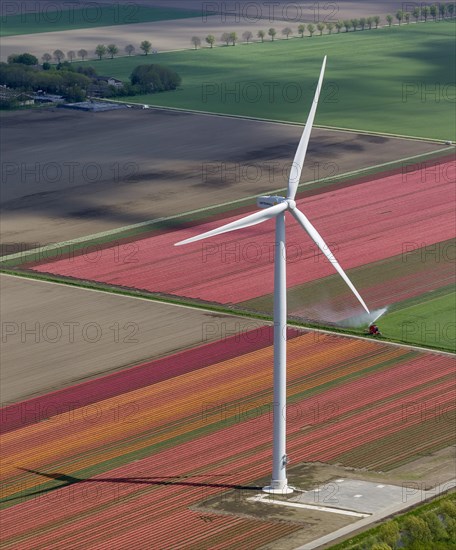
[
  {"x": 175, "y": 35},
  {"x": 68, "y": 174},
  {"x": 54, "y": 336}
]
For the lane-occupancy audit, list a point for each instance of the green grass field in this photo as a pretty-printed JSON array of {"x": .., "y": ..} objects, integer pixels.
[
  {"x": 93, "y": 15},
  {"x": 391, "y": 80},
  {"x": 430, "y": 322},
  {"x": 427, "y": 319}
]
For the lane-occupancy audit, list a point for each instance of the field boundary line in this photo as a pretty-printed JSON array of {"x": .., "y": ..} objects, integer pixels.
[
  {"x": 278, "y": 121},
  {"x": 94, "y": 236},
  {"x": 267, "y": 319}
]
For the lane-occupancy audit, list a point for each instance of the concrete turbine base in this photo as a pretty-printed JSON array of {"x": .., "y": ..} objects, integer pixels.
[{"x": 278, "y": 488}]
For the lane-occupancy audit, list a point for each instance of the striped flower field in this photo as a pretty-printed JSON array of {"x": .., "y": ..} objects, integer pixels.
[
  {"x": 127, "y": 457},
  {"x": 365, "y": 224},
  {"x": 390, "y": 281}
]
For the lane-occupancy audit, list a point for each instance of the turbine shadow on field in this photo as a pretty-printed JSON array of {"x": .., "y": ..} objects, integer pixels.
[
  {"x": 317, "y": 147},
  {"x": 67, "y": 480},
  {"x": 268, "y": 168},
  {"x": 73, "y": 206}
]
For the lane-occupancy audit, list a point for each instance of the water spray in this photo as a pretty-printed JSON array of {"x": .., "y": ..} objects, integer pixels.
[
  {"x": 380, "y": 313},
  {"x": 363, "y": 318}
]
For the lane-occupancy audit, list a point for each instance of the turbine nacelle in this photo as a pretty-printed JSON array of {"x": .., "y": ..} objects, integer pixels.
[
  {"x": 265, "y": 201},
  {"x": 274, "y": 206}
]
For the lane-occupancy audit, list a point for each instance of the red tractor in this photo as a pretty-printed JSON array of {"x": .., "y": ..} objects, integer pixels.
[{"x": 373, "y": 330}]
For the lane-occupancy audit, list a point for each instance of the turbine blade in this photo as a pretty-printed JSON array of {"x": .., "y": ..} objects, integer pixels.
[
  {"x": 247, "y": 221},
  {"x": 298, "y": 162},
  {"x": 317, "y": 238}
]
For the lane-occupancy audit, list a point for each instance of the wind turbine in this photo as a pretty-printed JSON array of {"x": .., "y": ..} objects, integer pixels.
[{"x": 275, "y": 207}]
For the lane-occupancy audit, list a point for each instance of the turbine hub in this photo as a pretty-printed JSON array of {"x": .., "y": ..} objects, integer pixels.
[{"x": 291, "y": 204}]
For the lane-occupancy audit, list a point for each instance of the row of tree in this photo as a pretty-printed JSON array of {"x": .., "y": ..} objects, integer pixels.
[
  {"x": 100, "y": 51},
  {"x": 112, "y": 50},
  {"x": 232, "y": 37},
  {"x": 419, "y": 13},
  {"x": 436, "y": 11}
]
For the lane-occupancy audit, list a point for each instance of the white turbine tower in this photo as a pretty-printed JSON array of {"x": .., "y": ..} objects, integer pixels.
[{"x": 275, "y": 207}]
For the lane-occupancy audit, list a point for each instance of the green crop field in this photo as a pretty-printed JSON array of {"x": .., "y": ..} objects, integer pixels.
[
  {"x": 47, "y": 19},
  {"x": 428, "y": 321},
  {"x": 378, "y": 80}
]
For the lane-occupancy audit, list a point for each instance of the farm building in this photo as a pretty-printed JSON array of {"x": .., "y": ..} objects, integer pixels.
[{"x": 8, "y": 96}]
